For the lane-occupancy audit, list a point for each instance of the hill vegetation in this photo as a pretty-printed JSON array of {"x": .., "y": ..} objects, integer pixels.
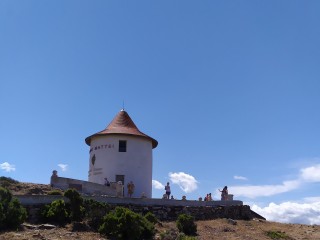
[
  {"x": 83, "y": 219},
  {"x": 22, "y": 188}
]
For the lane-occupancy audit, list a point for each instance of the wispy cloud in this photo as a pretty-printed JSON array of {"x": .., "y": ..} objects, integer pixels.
[
  {"x": 291, "y": 212},
  {"x": 312, "y": 199},
  {"x": 240, "y": 178},
  {"x": 63, "y": 167},
  {"x": 7, "y": 167},
  {"x": 157, "y": 185},
  {"x": 186, "y": 182},
  {"x": 253, "y": 191},
  {"x": 308, "y": 174},
  {"x": 311, "y": 174}
]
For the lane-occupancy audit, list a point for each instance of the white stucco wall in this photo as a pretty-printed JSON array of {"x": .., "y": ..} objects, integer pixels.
[{"x": 135, "y": 164}]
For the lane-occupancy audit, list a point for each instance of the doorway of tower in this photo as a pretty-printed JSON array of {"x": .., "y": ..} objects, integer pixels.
[{"x": 120, "y": 178}]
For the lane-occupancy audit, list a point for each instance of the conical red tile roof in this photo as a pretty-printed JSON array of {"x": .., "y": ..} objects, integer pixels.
[{"x": 122, "y": 124}]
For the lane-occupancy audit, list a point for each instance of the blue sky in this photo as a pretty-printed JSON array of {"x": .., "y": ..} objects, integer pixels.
[{"x": 230, "y": 89}]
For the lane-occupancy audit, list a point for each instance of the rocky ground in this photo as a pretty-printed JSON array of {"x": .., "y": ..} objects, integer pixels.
[{"x": 220, "y": 229}]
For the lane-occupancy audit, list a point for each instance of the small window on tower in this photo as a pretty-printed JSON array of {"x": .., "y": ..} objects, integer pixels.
[
  {"x": 122, "y": 146},
  {"x": 93, "y": 159}
]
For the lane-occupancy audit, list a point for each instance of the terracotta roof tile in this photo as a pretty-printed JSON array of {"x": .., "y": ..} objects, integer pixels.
[{"x": 122, "y": 124}]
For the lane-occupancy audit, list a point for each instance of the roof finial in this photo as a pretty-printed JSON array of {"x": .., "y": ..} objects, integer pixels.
[{"x": 122, "y": 106}]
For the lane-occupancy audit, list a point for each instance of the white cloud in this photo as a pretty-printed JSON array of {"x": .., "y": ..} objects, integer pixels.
[
  {"x": 240, "y": 178},
  {"x": 308, "y": 174},
  {"x": 157, "y": 185},
  {"x": 253, "y": 191},
  {"x": 63, "y": 167},
  {"x": 7, "y": 167},
  {"x": 311, "y": 174},
  {"x": 312, "y": 199},
  {"x": 186, "y": 182},
  {"x": 291, "y": 212}
]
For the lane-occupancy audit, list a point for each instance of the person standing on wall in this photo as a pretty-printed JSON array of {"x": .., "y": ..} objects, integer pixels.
[
  {"x": 168, "y": 190},
  {"x": 106, "y": 182},
  {"x": 224, "y": 193},
  {"x": 130, "y": 187}
]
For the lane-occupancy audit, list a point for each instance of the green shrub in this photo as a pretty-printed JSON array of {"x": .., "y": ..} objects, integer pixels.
[
  {"x": 174, "y": 235},
  {"x": 5, "y": 196},
  {"x": 56, "y": 212},
  {"x": 185, "y": 223},
  {"x": 182, "y": 236},
  {"x": 16, "y": 214},
  {"x": 75, "y": 204},
  {"x": 170, "y": 234},
  {"x": 151, "y": 217},
  {"x": 124, "y": 224},
  {"x": 277, "y": 235},
  {"x": 55, "y": 192},
  {"x": 2, "y": 214},
  {"x": 94, "y": 212},
  {"x": 12, "y": 214},
  {"x": 60, "y": 212}
]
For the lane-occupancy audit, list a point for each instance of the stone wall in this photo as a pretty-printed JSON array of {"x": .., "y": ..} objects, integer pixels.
[
  {"x": 171, "y": 213},
  {"x": 86, "y": 187},
  {"x": 164, "y": 210}
]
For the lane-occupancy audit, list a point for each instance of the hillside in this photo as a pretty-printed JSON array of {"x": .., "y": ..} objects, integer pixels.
[
  {"x": 219, "y": 229},
  {"x": 22, "y": 188},
  {"x": 214, "y": 229}
]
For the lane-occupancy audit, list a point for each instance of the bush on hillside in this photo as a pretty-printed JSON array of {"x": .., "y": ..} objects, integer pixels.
[
  {"x": 16, "y": 214},
  {"x": 60, "y": 212},
  {"x": 124, "y": 224},
  {"x": 5, "y": 196},
  {"x": 94, "y": 212},
  {"x": 2, "y": 214},
  {"x": 12, "y": 214},
  {"x": 185, "y": 223},
  {"x": 75, "y": 204},
  {"x": 277, "y": 235},
  {"x": 55, "y": 212},
  {"x": 169, "y": 234},
  {"x": 55, "y": 192},
  {"x": 182, "y": 236},
  {"x": 151, "y": 217}
]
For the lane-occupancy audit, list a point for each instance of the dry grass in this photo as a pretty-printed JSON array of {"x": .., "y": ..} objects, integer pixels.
[
  {"x": 22, "y": 188},
  {"x": 218, "y": 229},
  {"x": 250, "y": 230}
]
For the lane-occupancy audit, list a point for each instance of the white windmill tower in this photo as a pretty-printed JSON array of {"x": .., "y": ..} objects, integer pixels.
[{"x": 122, "y": 153}]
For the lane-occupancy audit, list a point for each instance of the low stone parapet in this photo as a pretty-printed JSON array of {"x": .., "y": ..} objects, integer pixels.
[
  {"x": 165, "y": 202},
  {"x": 163, "y": 209},
  {"x": 85, "y": 186},
  {"x": 46, "y": 199}
]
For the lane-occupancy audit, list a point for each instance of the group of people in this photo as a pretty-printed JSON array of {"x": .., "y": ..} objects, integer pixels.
[
  {"x": 208, "y": 197},
  {"x": 224, "y": 195},
  {"x": 130, "y": 187}
]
